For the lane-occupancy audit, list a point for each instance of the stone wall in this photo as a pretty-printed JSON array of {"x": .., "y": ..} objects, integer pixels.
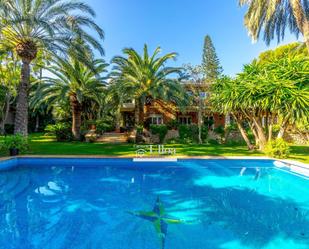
[
  {"x": 171, "y": 134},
  {"x": 297, "y": 138}
]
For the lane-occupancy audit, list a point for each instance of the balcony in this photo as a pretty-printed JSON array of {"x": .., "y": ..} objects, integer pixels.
[{"x": 128, "y": 107}]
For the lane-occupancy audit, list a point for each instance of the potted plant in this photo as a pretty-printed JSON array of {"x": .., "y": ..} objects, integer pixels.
[{"x": 15, "y": 144}]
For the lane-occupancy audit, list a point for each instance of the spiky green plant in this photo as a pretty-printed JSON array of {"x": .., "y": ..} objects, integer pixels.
[
  {"x": 147, "y": 75},
  {"x": 74, "y": 83},
  {"x": 274, "y": 16}
]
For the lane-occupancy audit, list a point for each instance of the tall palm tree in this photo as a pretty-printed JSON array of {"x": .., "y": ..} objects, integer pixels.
[
  {"x": 27, "y": 27},
  {"x": 75, "y": 83},
  {"x": 9, "y": 80},
  {"x": 147, "y": 76},
  {"x": 273, "y": 16}
]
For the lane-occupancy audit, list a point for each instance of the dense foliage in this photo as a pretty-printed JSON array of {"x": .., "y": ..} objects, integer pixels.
[
  {"x": 29, "y": 27},
  {"x": 273, "y": 17},
  {"x": 211, "y": 64},
  {"x": 277, "y": 148},
  {"x": 160, "y": 130},
  {"x": 267, "y": 92},
  {"x": 62, "y": 131},
  {"x": 144, "y": 76},
  {"x": 17, "y": 141}
]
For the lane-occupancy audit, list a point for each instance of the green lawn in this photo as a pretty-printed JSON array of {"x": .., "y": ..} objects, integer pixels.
[{"x": 44, "y": 145}]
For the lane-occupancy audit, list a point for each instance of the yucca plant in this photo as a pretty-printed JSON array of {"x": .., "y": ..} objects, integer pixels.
[{"x": 28, "y": 26}]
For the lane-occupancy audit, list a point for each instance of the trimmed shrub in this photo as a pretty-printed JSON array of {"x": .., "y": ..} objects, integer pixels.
[
  {"x": 219, "y": 130},
  {"x": 213, "y": 142},
  {"x": 160, "y": 130},
  {"x": 277, "y": 148},
  {"x": 103, "y": 126},
  {"x": 17, "y": 141},
  {"x": 173, "y": 124},
  {"x": 62, "y": 131},
  {"x": 204, "y": 133},
  {"x": 188, "y": 133}
]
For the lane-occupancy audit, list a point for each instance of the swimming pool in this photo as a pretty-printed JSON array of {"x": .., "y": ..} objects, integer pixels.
[{"x": 119, "y": 204}]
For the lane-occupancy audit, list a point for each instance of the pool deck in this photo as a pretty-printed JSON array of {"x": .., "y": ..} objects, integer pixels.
[{"x": 289, "y": 162}]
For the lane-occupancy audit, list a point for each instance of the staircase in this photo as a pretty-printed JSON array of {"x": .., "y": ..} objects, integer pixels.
[{"x": 113, "y": 138}]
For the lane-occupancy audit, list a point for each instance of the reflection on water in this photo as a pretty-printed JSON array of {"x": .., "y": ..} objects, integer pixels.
[{"x": 218, "y": 204}]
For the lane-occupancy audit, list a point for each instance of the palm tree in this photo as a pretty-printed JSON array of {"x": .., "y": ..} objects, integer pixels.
[
  {"x": 27, "y": 27},
  {"x": 76, "y": 84},
  {"x": 273, "y": 16},
  {"x": 147, "y": 76},
  {"x": 9, "y": 80}
]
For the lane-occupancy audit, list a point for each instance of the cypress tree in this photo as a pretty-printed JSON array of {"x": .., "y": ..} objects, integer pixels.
[{"x": 211, "y": 64}]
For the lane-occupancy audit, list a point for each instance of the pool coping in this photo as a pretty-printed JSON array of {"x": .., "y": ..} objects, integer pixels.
[{"x": 287, "y": 161}]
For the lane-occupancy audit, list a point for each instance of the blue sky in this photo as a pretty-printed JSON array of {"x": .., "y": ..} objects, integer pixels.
[{"x": 179, "y": 26}]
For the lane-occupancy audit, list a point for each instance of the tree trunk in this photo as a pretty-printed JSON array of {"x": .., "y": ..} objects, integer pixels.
[
  {"x": 118, "y": 118},
  {"x": 270, "y": 127},
  {"x": 260, "y": 133},
  {"x": 200, "y": 120},
  {"x": 256, "y": 137},
  {"x": 37, "y": 123},
  {"x": 226, "y": 127},
  {"x": 76, "y": 117},
  {"x": 283, "y": 127},
  {"x": 301, "y": 20},
  {"x": 243, "y": 133},
  {"x": 21, "y": 116},
  {"x": 5, "y": 114},
  {"x": 141, "y": 112},
  {"x": 136, "y": 112}
]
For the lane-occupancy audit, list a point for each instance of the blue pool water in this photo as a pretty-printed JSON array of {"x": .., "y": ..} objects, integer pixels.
[{"x": 118, "y": 204}]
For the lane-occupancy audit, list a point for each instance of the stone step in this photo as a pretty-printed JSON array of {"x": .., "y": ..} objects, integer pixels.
[{"x": 113, "y": 137}]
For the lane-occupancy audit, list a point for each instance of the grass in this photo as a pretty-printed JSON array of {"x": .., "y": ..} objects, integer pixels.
[{"x": 46, "y": 145}]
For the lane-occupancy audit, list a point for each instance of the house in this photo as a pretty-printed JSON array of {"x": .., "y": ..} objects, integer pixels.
[{"x": 159, "y": 112}]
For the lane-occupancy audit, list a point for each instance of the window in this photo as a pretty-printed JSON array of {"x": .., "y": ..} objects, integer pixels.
[
  {"x": 185, "y": 120},
  {"x": 203, "y": 95},
  {"x": 156, "y": 119}
]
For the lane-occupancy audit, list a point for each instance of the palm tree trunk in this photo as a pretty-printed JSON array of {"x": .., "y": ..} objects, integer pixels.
[
  {"x": 21, "y": 116},
  {"x": 37, "y": 123},
  {"x": 301, "y": 20},
  {"x": 141, "y": 112},
  {"x": 118, "y": 119},
  {"x": 76, "y": 117},
  {"x": 136, "y": 112}
]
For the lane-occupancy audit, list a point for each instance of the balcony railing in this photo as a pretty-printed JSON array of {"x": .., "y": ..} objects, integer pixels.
[{"x": 128, "y": 105}]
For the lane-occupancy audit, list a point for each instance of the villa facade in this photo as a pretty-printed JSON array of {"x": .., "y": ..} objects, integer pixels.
[{"x": 159, "y": 112}]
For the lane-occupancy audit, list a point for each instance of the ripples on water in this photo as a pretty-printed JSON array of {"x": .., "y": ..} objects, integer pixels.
[{"x": 221, "y": 204}]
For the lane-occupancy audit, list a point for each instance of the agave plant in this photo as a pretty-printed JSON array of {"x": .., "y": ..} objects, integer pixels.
[{"x": 27, "y": 27}]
